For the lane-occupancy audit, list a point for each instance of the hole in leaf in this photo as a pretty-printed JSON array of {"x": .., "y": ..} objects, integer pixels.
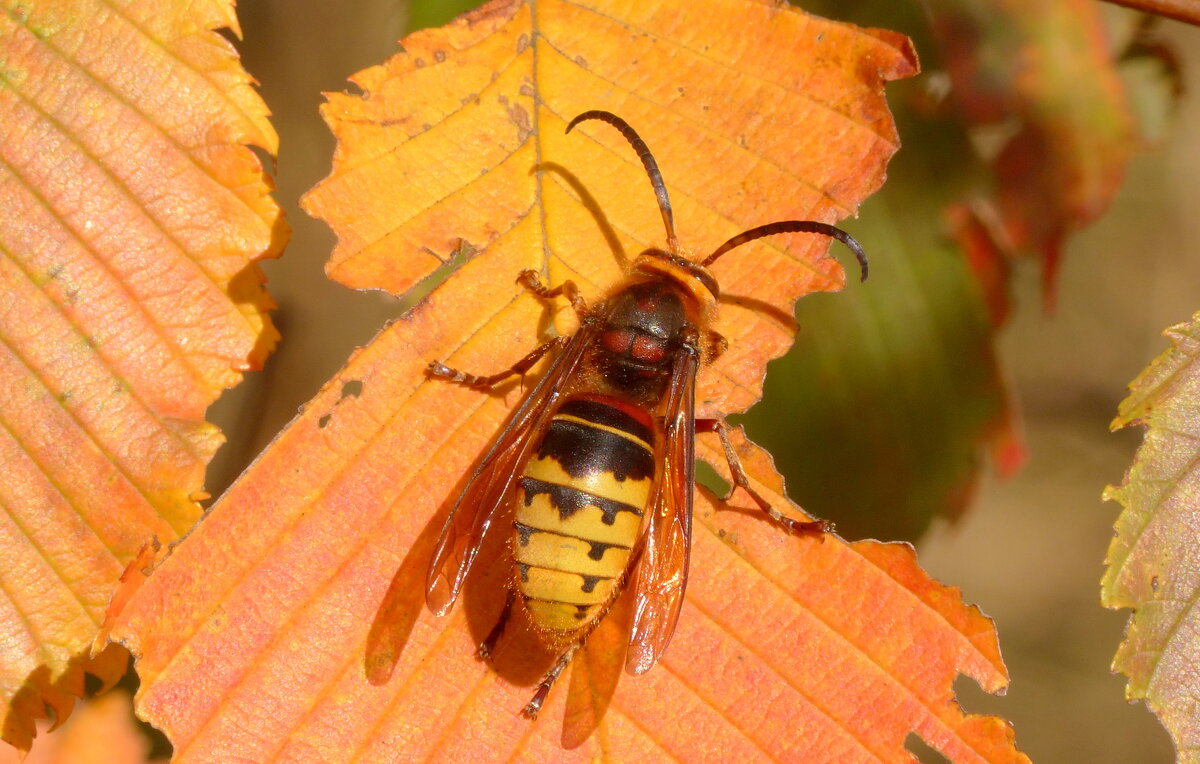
[
  {"x": 711, "y": 479},
  {"x": 925, "y": 753},
  {"x": 459, "y": 257}
]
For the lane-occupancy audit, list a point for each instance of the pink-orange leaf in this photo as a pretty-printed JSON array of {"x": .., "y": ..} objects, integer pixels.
[
  {"x": 253, "y": 635},
  {"x": 1153, "y": 566},
  {"x": 270, "y": 633},
  {"x": 132, "y": 213}
]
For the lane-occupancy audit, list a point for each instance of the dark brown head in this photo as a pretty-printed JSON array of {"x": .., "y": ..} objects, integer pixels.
[{"x": 643, "y": 326}]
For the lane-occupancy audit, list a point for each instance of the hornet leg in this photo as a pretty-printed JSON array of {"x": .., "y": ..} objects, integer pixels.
[
  {"x": 539, "y": 697},
  {"x": 530, "y": 280},
  {"x": 488, "y": 645},
  {"x": 799, "y": 527},
  {"x": 441, "y": 371}
]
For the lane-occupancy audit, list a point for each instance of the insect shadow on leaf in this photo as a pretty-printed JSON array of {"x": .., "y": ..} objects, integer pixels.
[{"x": 592, "y": 206}]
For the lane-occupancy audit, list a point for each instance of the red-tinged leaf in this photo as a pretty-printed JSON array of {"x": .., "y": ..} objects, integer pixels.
[
  {"x": 1046, "y": 68},
  {"x": 1152, "y": 565},
  {"x": 132, "y": 214},
  {"x": 987, "y": 261},
  {"x": 268, "y": 634}
]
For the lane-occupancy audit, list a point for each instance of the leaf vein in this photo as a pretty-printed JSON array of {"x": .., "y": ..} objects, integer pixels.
[
  {"x": 368, "y": 245},
  {"x": 752, "y": 649},
  {"x": 133, "y": 391},
  {"x": 102, "y": 83},
  {"x": 154, "y": 325},
  {"x": 742, "y": 72},
  {"x": 1150, "y": 512},
  {"x": 883, "y": 670},
  {"x": 100, "y": 446},
  {"x": 281, "y": 532},
  {"x": 41, "y": 645}
]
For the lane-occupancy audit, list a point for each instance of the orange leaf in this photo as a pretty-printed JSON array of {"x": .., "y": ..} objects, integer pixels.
[
  {"x": 867, "y": 642},
  {"x": 252, "y": 636},
  {"x": 465, "y": 116},
  {"x": 131, "y": 216},
  {"x": 268, "y": 634},
  {"x": 1151, "y": 559}
]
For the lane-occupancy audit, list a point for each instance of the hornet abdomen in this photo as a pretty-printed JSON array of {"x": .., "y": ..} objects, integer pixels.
[{"x": 583, "y": 495}]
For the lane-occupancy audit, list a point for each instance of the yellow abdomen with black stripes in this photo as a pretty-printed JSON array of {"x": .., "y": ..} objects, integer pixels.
[{"x": 583, "y": 495}]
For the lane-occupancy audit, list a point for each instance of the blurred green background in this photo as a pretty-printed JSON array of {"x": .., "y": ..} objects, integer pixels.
[{"x": 1029, "y": 549}]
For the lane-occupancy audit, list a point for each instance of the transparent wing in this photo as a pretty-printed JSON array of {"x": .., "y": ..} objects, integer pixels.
[
  {"x": 666, "y": 547},
  {"x": 492, "y": 482}
]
